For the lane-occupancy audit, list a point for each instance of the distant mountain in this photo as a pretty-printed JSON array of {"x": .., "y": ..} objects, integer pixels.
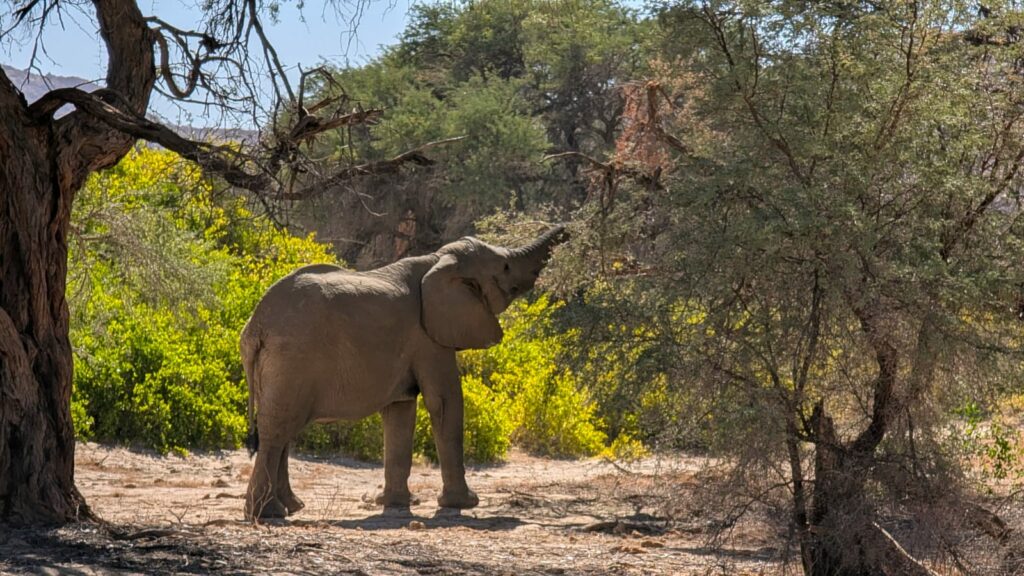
[{"x": 33, "y": 86}]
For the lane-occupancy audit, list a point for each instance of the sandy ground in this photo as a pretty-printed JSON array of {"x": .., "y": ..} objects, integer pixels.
[{"x": 170, "y": 514}]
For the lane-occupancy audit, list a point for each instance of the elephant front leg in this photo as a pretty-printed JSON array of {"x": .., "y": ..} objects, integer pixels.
[
  {"x": 399, "y": 426},
  {"x": 442, "y": 393}
]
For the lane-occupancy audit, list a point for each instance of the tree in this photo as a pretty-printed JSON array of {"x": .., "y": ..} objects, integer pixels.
[
  {"x": 45, "y": 160},
  {"x": 515, "y": 80},
  {"x": 814, "y": 217}
]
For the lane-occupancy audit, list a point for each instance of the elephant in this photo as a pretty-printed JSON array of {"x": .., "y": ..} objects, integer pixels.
[{"x": 327, "y": 344}]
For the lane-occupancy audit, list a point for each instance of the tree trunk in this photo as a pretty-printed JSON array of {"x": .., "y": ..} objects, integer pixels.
[
  {"x": 846, "y": 539},
  {"x": 43, "y": 162},
  {"x": 37, "y": 445},
  {"x": 838, "y": 508}
]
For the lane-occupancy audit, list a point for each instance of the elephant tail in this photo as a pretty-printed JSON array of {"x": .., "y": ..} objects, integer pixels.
[{"x": 251, "y": 345}]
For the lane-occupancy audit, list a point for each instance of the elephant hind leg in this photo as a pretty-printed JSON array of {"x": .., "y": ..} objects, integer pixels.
[
  {"x": 291, "y": 502},
  {"x": 261, "y": 500}
]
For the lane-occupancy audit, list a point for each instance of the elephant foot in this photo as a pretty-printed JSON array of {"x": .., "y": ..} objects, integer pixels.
[
  {"x": 272, "y": 508},
  {"x": 395, "y": 499},
  {"x": 292, "y": 503},
  {"x": 461, "y": 499}
]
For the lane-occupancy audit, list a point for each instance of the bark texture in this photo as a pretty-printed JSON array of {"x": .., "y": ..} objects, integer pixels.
[
  {"x": 847, "y": 541},
  {"x": 43, "y": 162},
  {"x": 36, "y": 437}
]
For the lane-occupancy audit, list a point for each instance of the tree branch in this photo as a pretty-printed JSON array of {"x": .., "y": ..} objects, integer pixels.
[
  {"x": 966, "y": 224},
  {"x": 84, "y": 143},
  {"x": 884, "y": 402},
  {"x": 99, "y": 106},
  {"x": 889, "y": 556},
  {"x": 776, "y": 139},
  {"x": 414, "y": 156},
  {"x": 612, "y": 169},
  {"x": 273, "y": 62},
  {"x": 130, "y": 68},
  {"x": 235, "y": 167}
]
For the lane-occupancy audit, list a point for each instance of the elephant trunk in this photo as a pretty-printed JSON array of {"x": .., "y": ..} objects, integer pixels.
[{"x": 540, "y": 249}]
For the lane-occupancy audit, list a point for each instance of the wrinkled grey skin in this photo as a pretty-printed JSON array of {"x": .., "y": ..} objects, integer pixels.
[{"x": 326, "y": 344}]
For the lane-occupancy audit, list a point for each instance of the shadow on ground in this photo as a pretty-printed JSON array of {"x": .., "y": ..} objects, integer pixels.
[
  {"x": 394, "y": 518},
  {"x": 88, "y": 549}
]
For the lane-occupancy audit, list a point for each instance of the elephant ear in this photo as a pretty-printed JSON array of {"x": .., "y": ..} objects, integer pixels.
[{"x": 454, "y": 312}]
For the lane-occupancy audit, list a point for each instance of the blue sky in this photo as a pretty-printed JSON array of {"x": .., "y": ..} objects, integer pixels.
[{"x": 308, "y": 37}]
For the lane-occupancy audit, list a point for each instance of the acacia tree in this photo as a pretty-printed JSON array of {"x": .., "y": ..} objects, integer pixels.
[
  {"x": 826, "y": 241},
  {"x": 45, "y": 160},
  {"x": 517, "y": 79}
]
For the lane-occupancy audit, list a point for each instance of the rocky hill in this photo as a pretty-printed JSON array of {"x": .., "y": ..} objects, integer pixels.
[{"x": 33, "y": 86}]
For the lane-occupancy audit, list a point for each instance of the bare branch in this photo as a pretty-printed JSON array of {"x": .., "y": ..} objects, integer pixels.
[
  {"x": 573, "y": 154},
  {"x": 321, "y": 71},
  {"x": 309, "y": 126},
  {"x": 165, "y": 67},
  {"x": 892, "y": 557},
  {"x": 612, "y": 170},
  {"x": 276, "y": 70},
  {"x": 414, "y": 156}
]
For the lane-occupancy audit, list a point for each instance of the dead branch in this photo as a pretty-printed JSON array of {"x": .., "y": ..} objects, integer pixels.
[
  {"x": 309, "y": 125},
  {"x": 390, "y": 166},
  {"x": 589, "y": 159},
  {"x": 613, "y": 169},
  {"x": 894, "y": 560},
  {"x": 619, "y": 467},
  {"x": 617, "y": 527},
  {"x": 328, "y": 101},
  {"x": 270, "y": 53},
  {"x": 101, "y": 105},
  {"x": 654, "y": 89},
  {"x": 208, "y": 44},
  {"x": 147, "y": 534}
]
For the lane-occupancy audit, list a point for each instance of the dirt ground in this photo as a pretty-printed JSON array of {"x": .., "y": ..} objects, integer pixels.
[
  {"x": 169, "y": 514},
  {"x": 661, "y": 516}
]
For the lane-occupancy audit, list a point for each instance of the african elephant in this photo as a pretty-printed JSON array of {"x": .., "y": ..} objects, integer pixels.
[{"x": 326, "y": 344}]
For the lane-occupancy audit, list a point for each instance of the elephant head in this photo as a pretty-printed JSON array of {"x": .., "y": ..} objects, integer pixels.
[{"x": 473, "y": 282}]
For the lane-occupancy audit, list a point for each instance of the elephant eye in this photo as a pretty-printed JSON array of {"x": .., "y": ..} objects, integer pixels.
[
  {"x": 473, "y": 286},
  {"x": 506, "y": 266}
]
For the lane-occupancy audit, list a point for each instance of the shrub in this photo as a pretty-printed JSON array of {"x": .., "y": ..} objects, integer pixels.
[
  {"x": 547, "y": 406},
  {"x": 362, "y": 439},
  {"x": 162, "y": 278}
]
